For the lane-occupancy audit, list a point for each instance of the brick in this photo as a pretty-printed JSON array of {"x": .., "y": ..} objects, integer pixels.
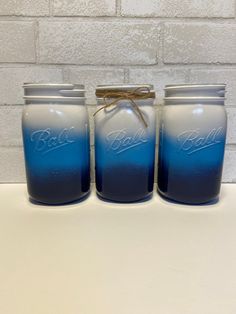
[
  {"x": 159, "y": 78},
  {"x": 84, "y": 7},
  {"x": 12, "y": 78},
  {"x": 229, "y": 172},
  {"x": 178, "y": 8},
  {"x": 98, "y": 42},
  {"x": 24, "y": 7},
  {"x": 93, "y": 77},
  {"x": 231, "y": 132},
  {"x": 12, "y": 165},
  {"x": 10, "y": 125},
  {"x": 17, "y": 41},
  {"x": 227, "y": 76},
  {"x": 199, "y": 43}
]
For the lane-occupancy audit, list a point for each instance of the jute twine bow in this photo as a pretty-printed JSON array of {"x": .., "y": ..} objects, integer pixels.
[{"x": 138, "y": 93}]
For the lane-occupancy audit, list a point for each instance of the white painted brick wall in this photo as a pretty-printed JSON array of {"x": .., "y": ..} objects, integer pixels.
[
  {"x": 229, "y": 173},
  {"x": 178, "y": 8},
  {"x": 12, "y": 164},
  {"x": 112, "y": 41},
  {"x": 84, "y": 7},
  {"x": 231, "y": 132},
  {"x": 24, "y": 7},
  {"x": 98, "y": 42},
  {"x": 17, "y": 40},
  {"x": 10, "y": 126},
  {"x": 199, "y": 43}
]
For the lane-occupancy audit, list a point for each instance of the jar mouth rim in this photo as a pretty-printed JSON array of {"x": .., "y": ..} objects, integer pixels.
[
  {"x": 60, "y": 98},
  {"x": 195, "y": 86},
  {"x": 71, "y": 91},
  {"x": 53, "y": 85},
  {"x": 123, "y": 86},
  {"x": 196, "y": 98}
]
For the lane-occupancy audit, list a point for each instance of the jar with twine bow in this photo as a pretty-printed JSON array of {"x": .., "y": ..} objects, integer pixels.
[{"x": 125, "y": 136}]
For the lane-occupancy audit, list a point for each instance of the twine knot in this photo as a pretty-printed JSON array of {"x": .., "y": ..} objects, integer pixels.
[{"x": 138, "y": 93}]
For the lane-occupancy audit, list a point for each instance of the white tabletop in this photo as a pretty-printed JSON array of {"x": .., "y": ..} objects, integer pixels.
[{"x": 95, "y": 257}]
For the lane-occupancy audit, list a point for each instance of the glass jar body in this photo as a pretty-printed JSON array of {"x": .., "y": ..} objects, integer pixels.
[
  {"x": 57, "y": 152},
  {"x": 125, "y": 151},
  {"x": 191, "y": 150}
]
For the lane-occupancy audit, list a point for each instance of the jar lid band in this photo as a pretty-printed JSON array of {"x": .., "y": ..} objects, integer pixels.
[{"x": 115, "y": 91}]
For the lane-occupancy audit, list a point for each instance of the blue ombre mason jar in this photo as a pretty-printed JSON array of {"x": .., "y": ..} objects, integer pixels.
[
  {"x": 192, "y": 143},
  {"x": 125, "y": 142},
  {"x": 56, "y": 142}
]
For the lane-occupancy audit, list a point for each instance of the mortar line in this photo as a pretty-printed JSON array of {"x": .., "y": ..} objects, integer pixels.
[
  {"x": 161, "y": 67},
  {"x": 51, "y": 7},
  {"x": 117, "y": 18},
  {"x": 118, "y": 8}
]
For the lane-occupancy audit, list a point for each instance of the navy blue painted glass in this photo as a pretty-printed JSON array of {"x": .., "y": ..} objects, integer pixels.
[
  {"x": 191, "y": 177},
  {"x": 56, "y": 174},
  {"x": 191, "y": 152},
  {"x": 125, "y": 174}
]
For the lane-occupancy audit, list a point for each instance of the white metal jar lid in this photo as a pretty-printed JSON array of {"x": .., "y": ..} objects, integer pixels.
[
  {"x": 195, "y": 90},
  {"x": 54, "y": 89}
]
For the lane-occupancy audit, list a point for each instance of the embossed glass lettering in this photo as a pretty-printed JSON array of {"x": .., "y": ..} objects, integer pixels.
[
  {"x": 119, "y": 141},
  {"x": 46, "y": 142},
  {"x": 192, "y": 141}
]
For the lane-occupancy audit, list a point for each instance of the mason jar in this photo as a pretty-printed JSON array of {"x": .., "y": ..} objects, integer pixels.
[
  {"x": 55, "y": 131},
  {"x": 192, "y": 143},
  {"x": 125, "y": 135}
]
